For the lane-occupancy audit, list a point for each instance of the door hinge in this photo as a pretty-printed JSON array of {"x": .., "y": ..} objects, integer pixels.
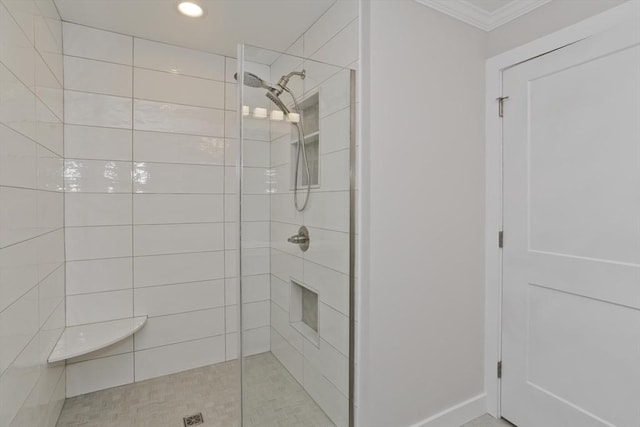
[
  {"x": 500, "y": 369},
  {"x": 501, "y": 239},
  {"x": 501, "y": 105}
]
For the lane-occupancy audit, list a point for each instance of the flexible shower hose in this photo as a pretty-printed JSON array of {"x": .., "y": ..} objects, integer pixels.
[{"x": 301, "y": 148}]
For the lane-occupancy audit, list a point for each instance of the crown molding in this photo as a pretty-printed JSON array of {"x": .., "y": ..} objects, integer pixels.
[{"x": 478, "y": 17}]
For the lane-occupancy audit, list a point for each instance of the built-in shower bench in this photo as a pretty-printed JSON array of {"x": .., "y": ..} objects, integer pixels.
[{"x": 82, "y": 339}]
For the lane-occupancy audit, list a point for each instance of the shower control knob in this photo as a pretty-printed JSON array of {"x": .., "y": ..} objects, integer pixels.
[
  {"x": 298, "y": 239},
  {"x": 301, "y": 239}
]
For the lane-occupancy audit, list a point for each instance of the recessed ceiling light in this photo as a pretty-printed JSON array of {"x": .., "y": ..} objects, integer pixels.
[{"x": 191, "y": 9}]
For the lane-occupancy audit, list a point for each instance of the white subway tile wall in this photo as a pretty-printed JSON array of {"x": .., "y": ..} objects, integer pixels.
[
  {"x": 322, "y": 367},
  {"x": 148, "y": 167},
  {"x": 255, "y": 217},
  {"x": 150, "y": 213},
  {"x": 32, "y": 274}
]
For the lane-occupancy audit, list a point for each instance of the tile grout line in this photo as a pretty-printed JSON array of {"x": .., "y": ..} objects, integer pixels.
[
  {"x": 219, "y": 378},
  {"x": 270, "y": 207},
  {"x": 90, "y": 125},
  {"x": 139, "y": 67},
  {"x": 303, "y": 357},
  {"x": 33, "y": 141},
  {"x": 133, "y": 270},
  {"x": 37, "y": 287},
  {"x": 31, "y": 288},
  {"x": 133, "y": 351},
  {"x": 35, "y": 51},
  {"x": 132, "y": 98},
  {"x": 224, "y": 229},
  {"x": 21, "y": 242},
  {"x": 155, "y": 224},
  {"x": 144, "y": 39},
  {"x": 335, "y": 34},
  {"x": 153, "y": 162},
  {"x": 64, "y": 202},
  {"x": 151, "y": 287},
  {"x": 157, "y": 131}
]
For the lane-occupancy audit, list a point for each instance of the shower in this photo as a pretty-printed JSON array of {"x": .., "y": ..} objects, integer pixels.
[
  {"x": 273, "y": 93},
  {"x": 163, "y": 310}
]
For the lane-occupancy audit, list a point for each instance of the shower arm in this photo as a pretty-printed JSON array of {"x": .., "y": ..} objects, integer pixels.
[{"x": 284, "y": 81}]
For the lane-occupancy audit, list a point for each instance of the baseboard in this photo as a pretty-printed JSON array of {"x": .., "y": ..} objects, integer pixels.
[{"x": 457, "y": 415}]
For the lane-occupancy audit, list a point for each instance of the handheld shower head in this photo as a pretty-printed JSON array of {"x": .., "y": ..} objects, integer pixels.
[
  {"x": 274, "y": 93},
  {"x": 273, "y": 97}
]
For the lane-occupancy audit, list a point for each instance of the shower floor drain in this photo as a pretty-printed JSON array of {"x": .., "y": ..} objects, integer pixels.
[{"x": 193, "y": 420}]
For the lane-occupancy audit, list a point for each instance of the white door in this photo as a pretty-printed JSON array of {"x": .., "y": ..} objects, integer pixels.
[{"x": 571, "y": 272}]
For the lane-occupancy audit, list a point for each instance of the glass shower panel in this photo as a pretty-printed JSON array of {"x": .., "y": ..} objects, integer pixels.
[{"x": 296, "y": 145}]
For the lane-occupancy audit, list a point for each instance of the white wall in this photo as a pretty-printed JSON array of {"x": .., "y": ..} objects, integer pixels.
[
  {"x": 544, "y": 20},
  {"x": 421, "y": 344},
  {"x": 150, "y": 207},
  {"x": 32, "y": 277}
]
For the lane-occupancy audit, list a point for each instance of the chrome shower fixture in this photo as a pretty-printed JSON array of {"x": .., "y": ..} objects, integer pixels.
[
  {"x": 276, "y": 100},
  {"x": 252, "y": 80},
  {"x": 273, "y": 93},
  {"x": 284, "y": 81}
]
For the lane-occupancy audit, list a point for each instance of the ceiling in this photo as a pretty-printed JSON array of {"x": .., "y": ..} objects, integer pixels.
[
  {"x": 484, "y": 14},
  {"x": 489, "y": 5},
  {"x": 273, "y": 24}
]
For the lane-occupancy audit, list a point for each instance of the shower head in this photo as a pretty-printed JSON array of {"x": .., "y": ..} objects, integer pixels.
[
  {"x": 252, "y": 80},
  {"x": 276, "y": 100},
  {"x": 273, "y": 93}
]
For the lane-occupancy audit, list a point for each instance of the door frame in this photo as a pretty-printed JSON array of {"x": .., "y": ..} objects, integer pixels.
[{"x": 495, "y": 67}]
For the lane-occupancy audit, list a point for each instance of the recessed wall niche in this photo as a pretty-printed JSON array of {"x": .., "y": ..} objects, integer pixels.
[
  {"x": 310, "y": 108},
  {"x": 303, "y": 311}
]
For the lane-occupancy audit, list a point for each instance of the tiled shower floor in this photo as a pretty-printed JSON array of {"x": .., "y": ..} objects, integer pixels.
[
  {"x": 274, "y": 398},
  {"x": 488, "y": 421}
]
